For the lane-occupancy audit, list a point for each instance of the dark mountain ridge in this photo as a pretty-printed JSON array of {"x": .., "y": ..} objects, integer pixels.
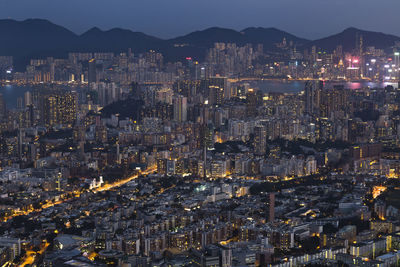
[
  {"x": 348, "y": 39},
  {"x": 37, "y": 38}
]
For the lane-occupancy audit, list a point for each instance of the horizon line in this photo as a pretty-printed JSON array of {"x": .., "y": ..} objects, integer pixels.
[{"x": 198, "y": 30}]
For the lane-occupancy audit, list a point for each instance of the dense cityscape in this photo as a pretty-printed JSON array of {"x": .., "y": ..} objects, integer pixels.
[{"x": 131, "y": 159}]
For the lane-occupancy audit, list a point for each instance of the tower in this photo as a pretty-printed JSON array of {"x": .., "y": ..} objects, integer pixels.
[
  {"x": 308, "y": 90},
  {"x": 251, "y": 103},
  {"x": 27, "y": 98},
  {"x": 397, "y": 59},
  {"x": 204, "y": 141},
  {"x": 21, "y": 135},
  {"x": 216, "y": 89},
  {"x": 260, "y": 140},
  {"x": 58, "y": 108},
  {"x": 360, "y": 52},
  {"x": 313, "y": 91},
  {"x": 180, "y": 108}
]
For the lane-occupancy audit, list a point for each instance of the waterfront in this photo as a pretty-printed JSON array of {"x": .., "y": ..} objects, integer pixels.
[
  {"x": 283, "y": 86},
  {"x": 12, "y": 92}
]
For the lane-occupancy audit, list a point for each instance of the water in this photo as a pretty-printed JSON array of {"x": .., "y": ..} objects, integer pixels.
[
  {"x": 283, "y": 86},
  {"x": 12, "y": 92}
]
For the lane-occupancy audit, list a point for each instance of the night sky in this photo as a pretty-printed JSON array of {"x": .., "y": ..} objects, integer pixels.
[{"x": 169, "y": 18}]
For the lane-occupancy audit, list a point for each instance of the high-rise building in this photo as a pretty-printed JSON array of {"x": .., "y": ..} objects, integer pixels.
[
  {"x": 107, "y": 93},
  {"x": 58, "y": 108},
  {"x": 312, "y": 94},
  {"x": 186, "y": 88},
  {"x": 360, "y": 52},
  {"x": 101, "y": 134},
  {"x": 397, "y": 62},
  {"x": 309, "y": 93},
  {"x": 260, "y": 140},
  {"x": 180, "y": 108},
  {"x": 79, "y": 133},
  {"x": 13, "y": 243},
  {"x": 49, "y": 110},
  {"x": 27, "y": 98},
  {"x": 3, "y": 108},
  {"x": 216, "y": 95},
  {"x": 216, "y": 89},
  {"x": 333, "y": 101},
  {"x": 251, "y": 103}
]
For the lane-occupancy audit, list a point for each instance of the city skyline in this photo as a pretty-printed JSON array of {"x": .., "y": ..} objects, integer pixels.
[
  {"x": 223, "y": 144},
  {"x": 164, "y": 18}
]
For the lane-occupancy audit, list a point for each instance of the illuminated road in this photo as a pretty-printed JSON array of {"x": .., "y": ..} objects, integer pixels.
[
  {"x": 77, "y": 194},
  {"x": 29, "y": 258},
  {"x": 30, "y": 255},
  {"x": 124, "y": 181},
  {"x": 378, "y": 190}
]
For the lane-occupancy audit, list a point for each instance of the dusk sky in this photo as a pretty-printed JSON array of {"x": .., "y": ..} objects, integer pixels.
[{"x": 168, "y": 18}]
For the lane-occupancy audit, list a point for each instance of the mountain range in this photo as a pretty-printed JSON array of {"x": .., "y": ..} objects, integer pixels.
[{"x": 33, "y": 38}]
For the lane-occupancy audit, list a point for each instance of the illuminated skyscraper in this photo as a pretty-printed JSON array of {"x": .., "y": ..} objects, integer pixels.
[
  {"x": 251, "y": 103},
  {"x": 216, "y": 89},
  {"x": 187, "y": 88},
  {"x": 260, "y": 140},
  {"x": 360, "y": 52},
  {"x": 313, "y": 92},
  {"x": 333, "y": 101},
  {"x": 397, "y": 58},
  {"x": 49, "y": 110},
  {"x": 309, "y": 92},
  {"x": 180, "y": 108},
  {"x": 58, "y": 108}
]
